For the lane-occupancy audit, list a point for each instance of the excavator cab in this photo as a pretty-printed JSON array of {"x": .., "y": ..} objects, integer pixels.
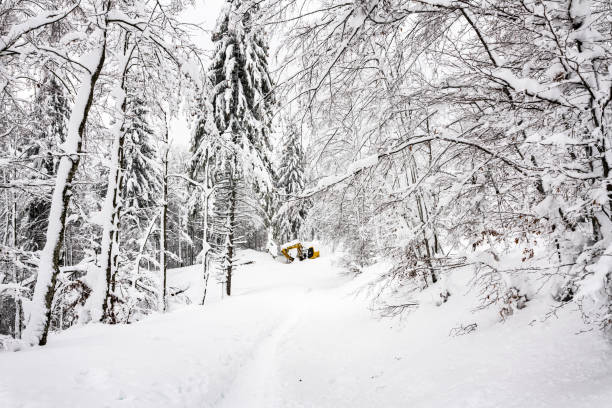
[
  {"x": 310, "y": 253},
  {"x": 302, "y": 254}
]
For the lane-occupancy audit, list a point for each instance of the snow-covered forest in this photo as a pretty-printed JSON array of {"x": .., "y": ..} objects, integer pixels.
[{"x": 448, "y": 159}]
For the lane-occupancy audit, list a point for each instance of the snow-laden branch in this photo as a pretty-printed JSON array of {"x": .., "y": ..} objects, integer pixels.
[
  {"x": 187, "y": 179},
  {"x": 144, "y": 27},
  {"x": 27, "y": 183},
  {"x": 355, "y": 18},
  {"x": 371, "y": 161},
  {"x": 142, "y": 244},
  {"x": 531, "y": 87},
  {"x": 31, "y": 24}
]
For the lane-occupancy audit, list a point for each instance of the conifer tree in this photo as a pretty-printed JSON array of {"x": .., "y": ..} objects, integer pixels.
[
  {"x": 141, "y": 169},
  {"x": 241, "y": 100},
  {"x": 141, "y": 192},
  {"x": 292, "y": 214}
]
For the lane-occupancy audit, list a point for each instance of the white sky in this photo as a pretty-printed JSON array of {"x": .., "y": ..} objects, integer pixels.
[{"x": 204, "y": 14}]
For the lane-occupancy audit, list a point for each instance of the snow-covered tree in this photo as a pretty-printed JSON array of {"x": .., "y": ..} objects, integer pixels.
[
  {"x": 204, "y": 142},
  {"x": 291, "y": 216},
  {"x": 242, "y": 99},
  {"x": 140, "y": 162},
  {"x": 34, "y": 106},
  {"x": 136, "y": 286},
  {"x": 93, "y": 61},
  {"x": 63, "y": 60}
]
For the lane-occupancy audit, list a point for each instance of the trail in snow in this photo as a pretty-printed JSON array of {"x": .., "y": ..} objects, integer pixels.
[
  {"x": 298, "y": 336},
  {"x": 257, "y": 382}
]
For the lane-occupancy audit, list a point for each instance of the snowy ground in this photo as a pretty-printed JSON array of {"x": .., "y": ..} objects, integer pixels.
[{"x": 298, "y": 336}]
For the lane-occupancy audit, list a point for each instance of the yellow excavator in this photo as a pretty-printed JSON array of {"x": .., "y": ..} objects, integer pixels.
[{"x": 302, "y": 254}]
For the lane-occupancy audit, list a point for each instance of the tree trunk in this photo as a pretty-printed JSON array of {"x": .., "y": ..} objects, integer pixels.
[
  {"x": 206, "y": 272},
  {"x": 178, "y": 238},
  {"x": 17, "y": 324},
  {"x": 205, "y": 245},
  {"x": 230, "y": 237},
  {"x": 109, "y": 249},
  {"x": 48, "y": 270},
  {"x": 8, "y": 213},
  {"x": 100, "y": 304},
  {"x": 163, "y": 224}
]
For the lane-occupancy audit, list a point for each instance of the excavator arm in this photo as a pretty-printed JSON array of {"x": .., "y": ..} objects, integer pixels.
[{"x": 300, "y": 252}]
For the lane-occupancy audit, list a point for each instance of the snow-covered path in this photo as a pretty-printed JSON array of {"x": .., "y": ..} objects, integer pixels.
[
  {"x": 298, "y": 336},
  {"x": 256, "y": 384}
]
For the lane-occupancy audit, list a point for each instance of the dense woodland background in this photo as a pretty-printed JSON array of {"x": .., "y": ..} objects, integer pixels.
[{"x": 435, "y": 135}]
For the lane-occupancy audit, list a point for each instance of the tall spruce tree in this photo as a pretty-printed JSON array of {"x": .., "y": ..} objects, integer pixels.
[
  {"x": 141, "y": 170},
  {"x": 242, "y": 101},
  {"x": 290, "y": 217},
  {"x": 141, "y": 196}
]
